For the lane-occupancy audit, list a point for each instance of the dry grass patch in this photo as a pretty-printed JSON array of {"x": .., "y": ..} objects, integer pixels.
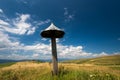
[{"x": 67, "y": 71}]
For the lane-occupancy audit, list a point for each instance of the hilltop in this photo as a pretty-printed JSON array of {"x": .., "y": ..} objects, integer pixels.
[
  {"x": 85, "y": 69},
  {"x": 104, "y": 60}
]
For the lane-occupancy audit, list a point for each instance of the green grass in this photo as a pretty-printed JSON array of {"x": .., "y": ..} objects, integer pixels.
[
  {"x": 106, "y": 60},
  {"x": 6, "y": 64},
  {"x": 64, "y": 74},
  {"x": 115, "y": 67},
  {"x": 104, "y": 68}
]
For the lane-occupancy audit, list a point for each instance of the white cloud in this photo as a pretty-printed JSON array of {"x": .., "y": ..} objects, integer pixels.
[
  {"x": 71, "y": 16},
  {"x": 36, "y": 55},
  {"x": 64, "y": 51},
  {"x": 66, "y": 11},
  {"x": 6, "y": 42},
  {"x": 57, "y": 40},
  {"x": 22, "y": 1},
  {"x": 68, "y": 16},
  {"x": 72, "y": 52},
  {"x": 15, "y": 49},
  {"x": 18, "y": 56},
  {"x": 42, "y": 22},
  {"x": 11, "y": 48},
  {"x": 31, "y": 31},
  {"x": 100, "y": 54},
  {"x": 41, "y": 50},
  {"x": 44, "y": 39},
  {"x": 103, "y": 54},
  {"x": 3, "y": 22},
  {"x": 1, "y": 11},
  {"x": 23, "y": 17},
  {"x": 21, "y": 25}
]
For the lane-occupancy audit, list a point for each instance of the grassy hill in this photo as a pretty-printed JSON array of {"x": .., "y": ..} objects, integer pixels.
[
  {"x": 85, "y": 69},
  {"x": 105, "y": 60}
]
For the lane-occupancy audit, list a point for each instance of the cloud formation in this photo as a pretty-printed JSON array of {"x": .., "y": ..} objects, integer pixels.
[
  {"x": 15, "y": 50},
  {"x": 68, "y": 16},
  {"x": 12, "y": 48},
  {"x": 21, "y": 25},
  {"x": 18, "y": 50},
  {"x": 1, "y": 11},
  {"x": 18, "y": 25},
  {"x": 22, "y": 1}
]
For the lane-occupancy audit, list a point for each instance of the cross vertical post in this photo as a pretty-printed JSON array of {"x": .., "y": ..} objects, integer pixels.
[
  {"x": 53, "y": 32},
  {"x": 54, "y": 56}
]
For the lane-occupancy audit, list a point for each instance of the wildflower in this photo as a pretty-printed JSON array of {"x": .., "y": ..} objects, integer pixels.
[
  {"x": 91, "y": 75},
  {"x": 107, "y": 74}
]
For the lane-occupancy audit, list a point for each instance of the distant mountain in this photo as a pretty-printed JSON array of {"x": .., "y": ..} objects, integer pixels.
[
  {"x": 105, "y": 60},
  {"x": 7, "y": 60},
  {"x": 38, "y": 60}
]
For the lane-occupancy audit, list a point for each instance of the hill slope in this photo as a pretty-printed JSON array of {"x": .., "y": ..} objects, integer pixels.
[
  {"x": 105, "y": 60},
  {"x": 32, "y": 70}
]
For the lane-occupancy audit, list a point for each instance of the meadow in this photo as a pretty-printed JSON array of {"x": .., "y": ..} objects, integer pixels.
[{"x": 87, "y": 69}]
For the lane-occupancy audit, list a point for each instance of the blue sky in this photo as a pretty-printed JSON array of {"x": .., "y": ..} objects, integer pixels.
[{"x": 92, "y": 28}]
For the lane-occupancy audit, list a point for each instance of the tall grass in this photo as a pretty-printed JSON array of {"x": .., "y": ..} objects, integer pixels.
[{"x": 42, "y": 71}]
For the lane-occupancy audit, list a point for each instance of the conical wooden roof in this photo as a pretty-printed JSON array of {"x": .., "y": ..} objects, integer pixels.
[
  {"x": 52, "y": 32},
  {"x": 52, "y": 27}
]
